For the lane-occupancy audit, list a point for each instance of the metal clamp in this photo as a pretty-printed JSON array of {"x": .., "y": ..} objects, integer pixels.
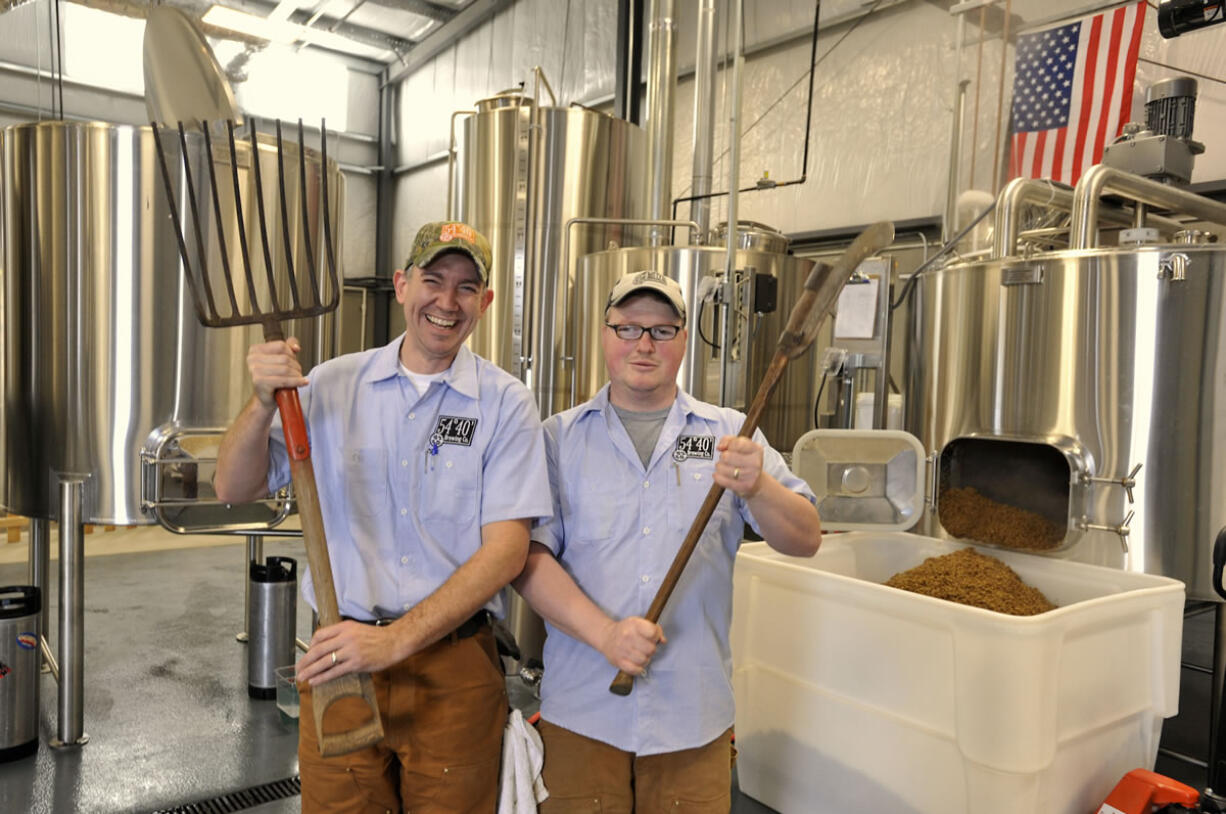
[
  {"x": 1122, "y": 529},
  {"x": 1173, "y": 267},
  {"x": 1128, "y": 481}
]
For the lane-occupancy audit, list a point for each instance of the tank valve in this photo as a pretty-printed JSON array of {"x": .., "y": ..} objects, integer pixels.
[{"x": 1122, "y": 529}]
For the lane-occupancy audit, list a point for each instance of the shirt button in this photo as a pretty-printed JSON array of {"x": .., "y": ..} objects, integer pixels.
[
  {"x": 403, "y": 512},
  {"x": 646, "y": 484},
  {"x": 404, "y": 560},
  {"x": 646, "y": 578},
  {"x": 646, "y": 530},
  {"x": 412, "y": 416},
  {"x": 404, "y": 461},
  {"x": 449, "y": 464},
  {"x": 697, "y": 476},
  {"x": 406, "y": 607}
]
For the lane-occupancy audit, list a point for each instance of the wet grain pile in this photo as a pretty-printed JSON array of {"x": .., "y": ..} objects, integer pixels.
[
  {"x": 971, "y": 578},
  {"x": 967, "y": 514}
]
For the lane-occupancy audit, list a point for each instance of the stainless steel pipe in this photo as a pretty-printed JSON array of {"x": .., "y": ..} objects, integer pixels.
[
  {"x": 949, "y": 227},
  {"x": 704, "y": 107},
  {"x": 734, "y": 171},
  {"x": 661, "y": 84},
  {"x": 1032, "y": 191},
  {"x": 255, "y": 553},
  {"x": 71, "y": 721},
  {"x": 1101, "y": 180}
]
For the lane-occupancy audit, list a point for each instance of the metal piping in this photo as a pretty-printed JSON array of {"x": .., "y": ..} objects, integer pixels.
[
  {"x": 948, "y": 225},
  {"x": 704, "y": 107},
  {"x": 734, "y": 171},
  {"x": 955, "y": 135},
  {"x": 661, "y": 83},
  {"x": 1023, "y": 191},
  {"x": 1100, "y": 180},
  {"x": 71, "y": 709}
]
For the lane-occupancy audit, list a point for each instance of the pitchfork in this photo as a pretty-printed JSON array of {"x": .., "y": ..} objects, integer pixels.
[{"x": 305, "y": 305}]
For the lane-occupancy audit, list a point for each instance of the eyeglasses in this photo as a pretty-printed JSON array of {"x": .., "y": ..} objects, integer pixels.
[{"x": 631, "y": 333}]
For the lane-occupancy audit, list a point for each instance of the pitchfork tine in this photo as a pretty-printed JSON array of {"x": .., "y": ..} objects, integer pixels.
[
  {"x": 274, "y": 300},
  {"x": 174, "y": 212},
  {"x": 306, "y": 216},
  {"x": 289, "y": 249},
  {"x": 200, "y": 244},
  {"x": 242, "y": 229},
  {"x": 327, "y": 215},
  {"x": 221, "y": 227}
]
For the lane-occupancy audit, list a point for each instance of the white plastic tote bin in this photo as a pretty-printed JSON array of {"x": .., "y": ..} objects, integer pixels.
[{"x": 855, "y": 697}]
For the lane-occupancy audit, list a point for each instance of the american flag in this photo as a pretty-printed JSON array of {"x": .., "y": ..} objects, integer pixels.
[{"x": 1072, "y": 92}]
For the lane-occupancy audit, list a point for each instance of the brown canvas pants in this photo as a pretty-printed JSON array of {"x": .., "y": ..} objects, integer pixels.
[
  {"x": 586, "y": 775},
  {"x": 443, "y": 709}
]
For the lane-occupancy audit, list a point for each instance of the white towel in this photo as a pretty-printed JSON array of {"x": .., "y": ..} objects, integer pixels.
[{"x": 521, "y": 786}]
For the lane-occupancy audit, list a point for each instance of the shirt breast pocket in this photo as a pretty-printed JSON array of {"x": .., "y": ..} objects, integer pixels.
[
  {"x": 366, "y": 486},
  {"x": 449, "y": 490},
  {"x": 697, "y": 478}
]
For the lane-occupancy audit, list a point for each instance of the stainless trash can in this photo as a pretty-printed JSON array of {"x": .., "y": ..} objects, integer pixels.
[
  {"x": 271, "y": 623},
  {"x": 19, "y": 663}
]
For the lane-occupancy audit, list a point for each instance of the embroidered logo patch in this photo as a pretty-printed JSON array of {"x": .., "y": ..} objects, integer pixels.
[
  {"x": 454, "y": 430},
  {"x": 694, "y": 446},
  {"x": 27, "y": 641}
]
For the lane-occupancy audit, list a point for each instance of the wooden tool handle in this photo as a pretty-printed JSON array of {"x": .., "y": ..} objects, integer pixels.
[
  {"x": 623, "y": 683},
  {"x": 307, "y": 495},
  {"x": 352, "y": 685}
]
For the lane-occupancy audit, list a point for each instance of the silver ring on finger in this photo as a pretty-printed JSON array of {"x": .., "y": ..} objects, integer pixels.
[
  {"x": 333, "y": 658},
  {"x": 736, "y": 473}
]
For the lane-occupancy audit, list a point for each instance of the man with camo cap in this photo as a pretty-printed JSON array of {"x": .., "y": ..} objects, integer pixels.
[{"x": 431, "y": 468}]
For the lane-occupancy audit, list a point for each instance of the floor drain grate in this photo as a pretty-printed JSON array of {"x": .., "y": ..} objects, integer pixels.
[{"x": 241, "y": 800}]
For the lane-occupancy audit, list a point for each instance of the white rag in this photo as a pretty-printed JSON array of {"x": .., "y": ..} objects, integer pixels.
[{"x": 521, "y": 786}]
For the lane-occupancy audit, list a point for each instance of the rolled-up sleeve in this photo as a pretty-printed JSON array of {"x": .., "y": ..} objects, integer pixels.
[{"x": 549, "y": 531}]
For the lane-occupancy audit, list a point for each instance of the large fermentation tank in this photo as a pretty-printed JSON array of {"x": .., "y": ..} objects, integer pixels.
[
  {"x": 789, "y": 413},
  {"x": 103, "y": 356},
  {"x": 523, "y": 170},
  {"x": 1044, "y": 383}
]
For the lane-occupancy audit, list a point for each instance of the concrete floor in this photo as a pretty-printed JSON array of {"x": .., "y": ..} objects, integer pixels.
[{"x": 166, "y": 707}]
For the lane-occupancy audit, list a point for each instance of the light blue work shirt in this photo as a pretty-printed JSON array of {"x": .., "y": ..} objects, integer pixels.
[
  {"x": 406, "y": 481},
  {"x": 615, "y": 529}
]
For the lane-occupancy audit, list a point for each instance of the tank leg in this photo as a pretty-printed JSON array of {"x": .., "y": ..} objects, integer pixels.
[
  {"x": 255, "y": 553},
  {"x": 40, "y": 565},
  {"x": 71, "y": 718}
]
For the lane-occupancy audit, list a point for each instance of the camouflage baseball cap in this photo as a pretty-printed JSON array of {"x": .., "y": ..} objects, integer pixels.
[{"x": 442, "y": 236}]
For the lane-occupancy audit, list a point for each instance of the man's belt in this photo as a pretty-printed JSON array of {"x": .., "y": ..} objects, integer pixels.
[{"x": 467, "y": 628}]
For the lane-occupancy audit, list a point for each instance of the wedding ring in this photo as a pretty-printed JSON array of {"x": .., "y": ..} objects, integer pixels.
[
  {"x": 736, "y": 473},
  {"x": 333, "y": 658}
]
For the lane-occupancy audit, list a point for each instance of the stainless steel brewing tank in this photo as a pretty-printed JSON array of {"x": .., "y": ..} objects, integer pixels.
[
  {"x": 1107, "y": 359},
  {"x": 789, "y": 413},
  {"x": 102, "y": 350},
  {"x": 522, "y": 172}
]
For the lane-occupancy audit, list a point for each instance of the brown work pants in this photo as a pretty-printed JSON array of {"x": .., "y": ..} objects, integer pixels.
[
  {"x": 586, "y": 775},
  {"x": 443, "y": 713}
]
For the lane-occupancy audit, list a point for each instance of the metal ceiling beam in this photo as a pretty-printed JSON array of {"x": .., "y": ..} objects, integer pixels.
[
  {"x": 423, "y": 8},
  {"x": 473, "y": 15}
]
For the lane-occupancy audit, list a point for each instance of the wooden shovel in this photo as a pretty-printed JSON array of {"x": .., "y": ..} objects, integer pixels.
[{"x": 821, "y": 291}]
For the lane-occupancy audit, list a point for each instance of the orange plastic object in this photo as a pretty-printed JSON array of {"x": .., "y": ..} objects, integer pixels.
[{"x": 1140, "y": 790}]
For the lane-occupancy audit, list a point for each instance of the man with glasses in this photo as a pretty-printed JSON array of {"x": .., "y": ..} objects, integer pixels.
[{"x": 629, "y": 470}]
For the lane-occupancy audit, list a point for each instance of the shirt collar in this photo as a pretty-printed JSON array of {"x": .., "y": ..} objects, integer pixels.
[
  {"x": 687, "y": 404},
  {"x": 461, "y": 376}
]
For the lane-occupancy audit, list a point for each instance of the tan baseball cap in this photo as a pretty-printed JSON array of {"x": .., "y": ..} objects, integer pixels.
[
  {"x": 438, "y": 237},
  {"x": 641, "y": 281}
]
